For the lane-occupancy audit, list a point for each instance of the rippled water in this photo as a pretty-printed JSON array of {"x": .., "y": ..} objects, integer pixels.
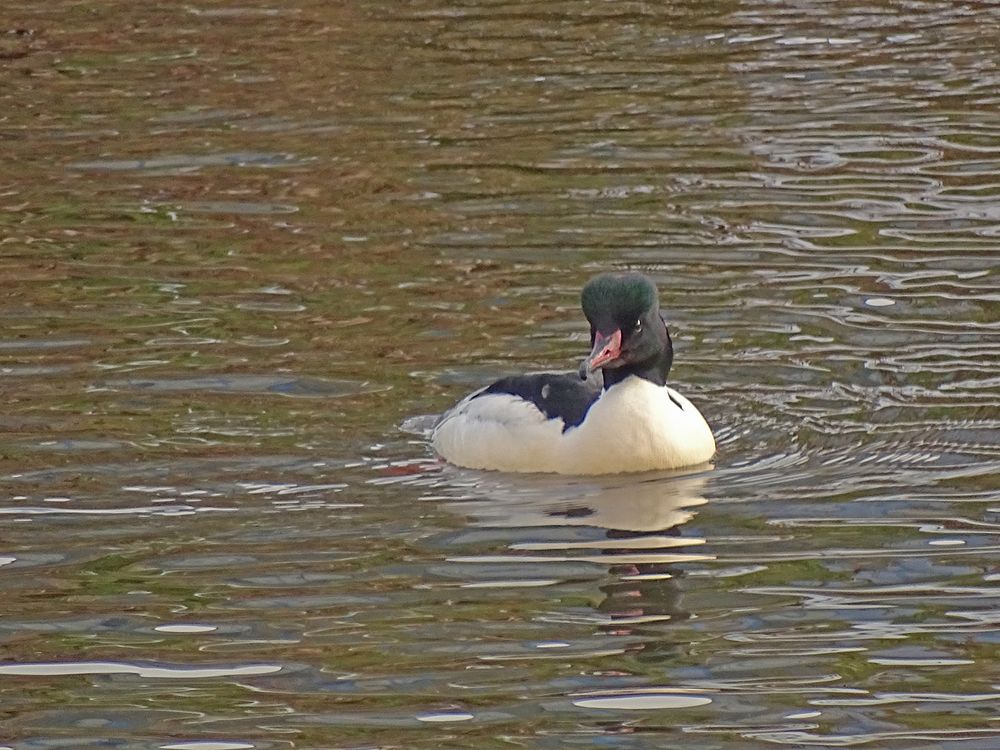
[{"x": 244, "y": 248}]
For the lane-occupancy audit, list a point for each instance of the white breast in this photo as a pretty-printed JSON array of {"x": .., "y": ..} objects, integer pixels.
[
  {"x": 637, "y": 426},
  {"x": 633, "y": 426}
]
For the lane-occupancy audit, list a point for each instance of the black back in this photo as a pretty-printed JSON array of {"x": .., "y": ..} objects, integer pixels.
[{"x": 557, "y": 396}]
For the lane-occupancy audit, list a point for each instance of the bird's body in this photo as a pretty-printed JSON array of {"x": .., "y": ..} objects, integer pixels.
[
  {"x": 628, "y": 420},
  {"x": 634, "y": 426}
]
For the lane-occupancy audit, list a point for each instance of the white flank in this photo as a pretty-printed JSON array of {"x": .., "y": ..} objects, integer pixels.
[
  {"x": 633, "y": 426},
  {"x": 498, "y": 431}
]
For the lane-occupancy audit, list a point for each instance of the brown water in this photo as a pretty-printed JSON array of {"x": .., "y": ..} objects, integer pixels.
[{"x": 244, "y": 245}]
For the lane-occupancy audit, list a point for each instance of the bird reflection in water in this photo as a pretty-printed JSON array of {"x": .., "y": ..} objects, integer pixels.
[{"x": 633, "y": 525}]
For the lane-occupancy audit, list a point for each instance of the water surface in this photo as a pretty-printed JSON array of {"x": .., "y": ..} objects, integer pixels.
[{"x": 242, "y": 245}]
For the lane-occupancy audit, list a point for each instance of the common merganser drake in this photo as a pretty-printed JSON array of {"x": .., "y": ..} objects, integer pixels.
[{"x": 628, "y": 420}]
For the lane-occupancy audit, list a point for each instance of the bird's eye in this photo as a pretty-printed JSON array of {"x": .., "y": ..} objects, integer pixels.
[{"x": 638, "y": 326}]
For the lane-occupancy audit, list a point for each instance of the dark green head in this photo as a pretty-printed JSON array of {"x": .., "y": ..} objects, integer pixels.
[
  {"x": 627, "y": 334},
  {"x": 618, "y": 300}
]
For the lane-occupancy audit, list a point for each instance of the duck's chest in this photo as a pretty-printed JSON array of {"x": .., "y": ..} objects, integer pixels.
[{"x": 637, "y": 426}]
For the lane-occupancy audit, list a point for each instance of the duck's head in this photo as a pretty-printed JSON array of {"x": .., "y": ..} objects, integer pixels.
[{"x": 627, "y": 334}]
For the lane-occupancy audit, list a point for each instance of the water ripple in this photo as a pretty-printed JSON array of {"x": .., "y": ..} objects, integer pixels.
[{"x": 375, "y": 208}]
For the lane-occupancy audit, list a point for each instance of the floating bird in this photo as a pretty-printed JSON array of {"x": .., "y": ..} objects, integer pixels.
[{"x": 616, "y": 415}]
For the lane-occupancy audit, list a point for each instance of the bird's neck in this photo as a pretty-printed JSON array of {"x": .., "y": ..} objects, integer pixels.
[{"x": 655, "y": 371}]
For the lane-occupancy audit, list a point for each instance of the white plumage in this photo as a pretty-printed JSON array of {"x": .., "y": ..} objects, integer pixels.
[{"x": 635, "y": 425}]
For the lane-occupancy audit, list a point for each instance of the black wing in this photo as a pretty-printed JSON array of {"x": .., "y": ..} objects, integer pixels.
[{"x": 558, "y": 396}]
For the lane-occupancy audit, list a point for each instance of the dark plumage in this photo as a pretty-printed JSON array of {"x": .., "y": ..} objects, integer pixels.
[{"x": 557, "y": 396}]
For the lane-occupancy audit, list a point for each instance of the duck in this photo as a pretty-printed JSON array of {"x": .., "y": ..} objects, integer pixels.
[{"x": 616, "y": 414}]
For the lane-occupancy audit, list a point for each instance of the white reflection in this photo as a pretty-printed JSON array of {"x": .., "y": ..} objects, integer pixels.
[
  {"x": 623, "y": 533},
  {"x": 621, "y": 503}
]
